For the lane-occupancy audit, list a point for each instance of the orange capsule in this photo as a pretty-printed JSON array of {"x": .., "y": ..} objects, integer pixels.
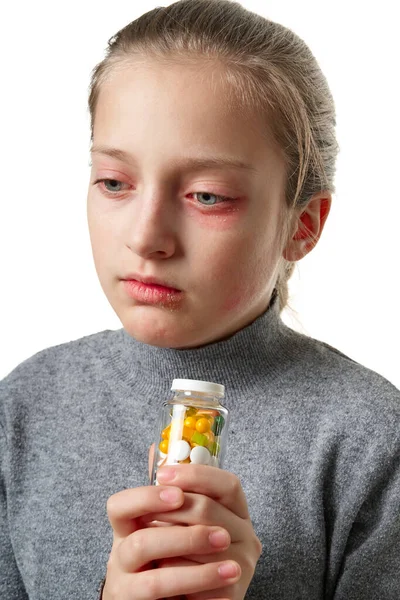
[
  {"x": 203, "y": 425},
  {"x": 206, "y": 415},
  {"x": 164, "y": 446},
  {"x": 166, "y": 433},
  {"x": 191, "y": 412},
  {"x": 208, "y": 412},
  {"x": 209, "y": 435},
  {"x": 190, "y": 422},
  {"x": 187, "y": 433}
]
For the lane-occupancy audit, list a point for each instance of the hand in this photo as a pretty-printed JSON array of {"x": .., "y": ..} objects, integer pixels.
[
  {"x": 131, "y": 572},
  {"x": 212, "y": 497}
]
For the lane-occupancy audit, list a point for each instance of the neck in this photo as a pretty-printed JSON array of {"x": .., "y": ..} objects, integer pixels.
[{"x": 238, "y": 358}]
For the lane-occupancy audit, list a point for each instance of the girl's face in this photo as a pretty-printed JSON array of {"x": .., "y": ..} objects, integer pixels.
[{"x": 168, "y": 213}]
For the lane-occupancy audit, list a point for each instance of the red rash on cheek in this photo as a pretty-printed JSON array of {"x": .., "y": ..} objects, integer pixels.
[
  {"x": 232, "y": 302},
  {"x": 242, "y": 292}
]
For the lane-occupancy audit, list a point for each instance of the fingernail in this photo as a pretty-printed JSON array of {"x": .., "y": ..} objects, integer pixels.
[
  {"x": 171, "y": 495},
  {"x": 228, "y": 570},
  {"x": 166, "y": 474},
  {"x": 219, "y": 538}
]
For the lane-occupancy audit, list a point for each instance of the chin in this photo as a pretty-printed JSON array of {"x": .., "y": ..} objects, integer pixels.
[{"x": 157, "y": 327}]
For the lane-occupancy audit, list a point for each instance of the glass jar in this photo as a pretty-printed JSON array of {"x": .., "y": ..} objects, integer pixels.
[{"x": 192, "y": 426}]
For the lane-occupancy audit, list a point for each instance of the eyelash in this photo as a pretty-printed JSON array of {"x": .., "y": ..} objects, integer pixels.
[{"x": 113, "y": 195}]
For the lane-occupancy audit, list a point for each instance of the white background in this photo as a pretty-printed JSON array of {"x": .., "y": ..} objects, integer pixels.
[{"x": 346, "y": 292}]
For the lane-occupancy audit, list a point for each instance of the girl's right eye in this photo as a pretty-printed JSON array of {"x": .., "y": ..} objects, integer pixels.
[{"x": 108, "y": 192}]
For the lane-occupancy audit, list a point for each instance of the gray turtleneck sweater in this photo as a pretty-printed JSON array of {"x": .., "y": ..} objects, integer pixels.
[{"x": 314, "y": 438}]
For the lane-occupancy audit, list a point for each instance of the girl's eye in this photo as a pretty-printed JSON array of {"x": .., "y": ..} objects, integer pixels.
[
  {"x": 113, "y": 188},
  {"x": 210, "y": 199}
]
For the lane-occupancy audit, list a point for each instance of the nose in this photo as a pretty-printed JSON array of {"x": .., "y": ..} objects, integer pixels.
[{"x": 152, "y": 227}]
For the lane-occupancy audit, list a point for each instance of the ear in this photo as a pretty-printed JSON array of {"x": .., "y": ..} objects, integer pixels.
[{"x": 307, "y": 226}]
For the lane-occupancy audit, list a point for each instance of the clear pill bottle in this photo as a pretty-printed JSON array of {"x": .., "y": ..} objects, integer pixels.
[{"x": 192, "y": 426}]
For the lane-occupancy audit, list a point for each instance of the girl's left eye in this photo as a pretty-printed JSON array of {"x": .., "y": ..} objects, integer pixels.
[{"x": 209, "y": 198}]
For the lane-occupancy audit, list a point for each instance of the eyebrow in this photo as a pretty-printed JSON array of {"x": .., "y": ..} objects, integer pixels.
[{"x": 211, "y": 162}]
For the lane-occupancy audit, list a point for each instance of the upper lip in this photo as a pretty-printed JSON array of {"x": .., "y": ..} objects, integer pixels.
[{"x": 149, "y": 280}]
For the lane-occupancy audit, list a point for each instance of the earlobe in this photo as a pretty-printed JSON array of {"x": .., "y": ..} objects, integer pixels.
[{"x": 308, "y": 227}]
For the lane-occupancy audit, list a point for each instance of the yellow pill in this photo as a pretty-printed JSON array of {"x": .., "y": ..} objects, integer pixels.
[
  {"x": 166, "y": 432},
  {"x": 209, "y": 435},
  {"x": 205, "y": 415},
  {"x": 203, "y": 425},
  {"x": 190, "y": 422},
  {"x": 164, "y": 446},
  {"x": 187, "y": 433},
  {"x": 186, "y": 461}
]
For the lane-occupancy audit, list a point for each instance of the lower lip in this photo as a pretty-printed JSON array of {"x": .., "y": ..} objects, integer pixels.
[{"x": 151, "y": 293}]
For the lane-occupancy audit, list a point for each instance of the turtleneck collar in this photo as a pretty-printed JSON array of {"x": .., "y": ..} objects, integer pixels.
[{"x": 258, "y": 347}]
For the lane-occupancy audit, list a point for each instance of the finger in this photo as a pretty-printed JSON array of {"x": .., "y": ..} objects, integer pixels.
[
  {"x": 214, "y": 482},
  {"x": 126, "y": 507},
  {"x": 151, "y": 457},
  {"x": 197, "y": 508},
  {"x": 174, "y": 562},
  {"x": 177, "y": 581},
  {"x": 151, "y": 544},
  {"x": 195, "y": 559},
  {"x": 223, "y": 593}
]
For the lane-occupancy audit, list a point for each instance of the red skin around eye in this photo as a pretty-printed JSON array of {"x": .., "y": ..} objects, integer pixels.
[{"x": 221, "y": 218}]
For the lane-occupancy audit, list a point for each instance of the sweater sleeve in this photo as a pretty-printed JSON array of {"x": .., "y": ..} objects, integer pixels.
[
  {"x": 11, "y": 584},
  {"x": 371, "y": 564}
]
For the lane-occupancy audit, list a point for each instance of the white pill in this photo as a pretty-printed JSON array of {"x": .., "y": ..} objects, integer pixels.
[
  {"x": 179, "y": 450},
  {"x": 200, "y": 455}
]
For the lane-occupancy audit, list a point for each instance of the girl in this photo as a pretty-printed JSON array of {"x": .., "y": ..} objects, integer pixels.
[{"x": 213, "y": 160}]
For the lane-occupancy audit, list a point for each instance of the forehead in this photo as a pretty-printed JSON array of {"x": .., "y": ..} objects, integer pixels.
[{"x": 180, "y": 108}]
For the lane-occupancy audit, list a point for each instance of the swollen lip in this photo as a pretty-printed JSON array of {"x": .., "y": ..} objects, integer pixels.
[
  {"x": 156, "y": 285},
  {"x": 153, "y": 294}
]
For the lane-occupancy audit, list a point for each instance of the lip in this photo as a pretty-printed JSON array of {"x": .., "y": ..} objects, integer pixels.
[
  {"x": 152, "y": 293},
  {"x": 150, "y": 281}
]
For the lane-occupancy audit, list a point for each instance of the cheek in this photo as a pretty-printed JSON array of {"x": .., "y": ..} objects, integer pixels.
[
  {"x": 240, "y": 295},
  {"x": 101, "y": 240},
  {"x": 244, "y": 272},
  {"x": 230, "y": 269},
  {"x": 234, "y": 300}
]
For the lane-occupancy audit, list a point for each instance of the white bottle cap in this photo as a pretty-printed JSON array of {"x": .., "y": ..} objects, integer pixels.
[{"x": 215, "y": 389}]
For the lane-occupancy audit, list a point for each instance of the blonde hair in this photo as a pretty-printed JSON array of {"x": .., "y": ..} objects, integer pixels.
[{"x": 269, "y": 69}]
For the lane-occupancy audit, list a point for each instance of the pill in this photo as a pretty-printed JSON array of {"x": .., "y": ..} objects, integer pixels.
[
  {"x": 200, "y": 455},
  {"x": 218, "y": 424},
  {"x": 190, "y": 422},
  {"x": 203, "y": 425},
  {"x": 179, "y": 450},
  {"x": 199, "y": 438},
  {"x": 163, "y": 446}
]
